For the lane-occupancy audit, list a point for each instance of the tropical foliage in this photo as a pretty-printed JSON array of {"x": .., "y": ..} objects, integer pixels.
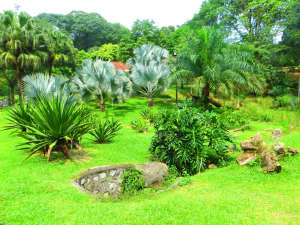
[
  {"x": 50, "y": 123},
  {"x": 150, "y": 72},
  {"x": 104, "y": 132},
  {"x": 102, "y": 81}
]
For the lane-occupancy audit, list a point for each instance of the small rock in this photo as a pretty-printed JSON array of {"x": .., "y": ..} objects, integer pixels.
[
  {"x": 96, "y": 178},
  {"x": 279, "y": 149},
  {"x": 232, "y": 147},
  {"x": 270, "y": 162},
  {"x": 112, "y": 173},
  {"x": 112, "y": 185},
  {"x": 245, "y": 158},
  {"x": 212, "y": 166},
  {"x": 248, "y": 146},
  {"x": 293, "y": 151},
  {"x": 82, "y": 182},
  {"x": 277, "y": 132},
  {"x": 102, "y": 175}
]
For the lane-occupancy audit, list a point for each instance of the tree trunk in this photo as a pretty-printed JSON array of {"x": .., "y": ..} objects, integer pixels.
[
  {"x": 11, "y": 95},
  {"x": 182, "y": 85},
  {"x": 65, "y": 150},
  {"x": 50, "y": 67},
  {"x": 150, "y": 102},
  {"x": 205, "y": 93},
  {"x": 102, "y": 106},
  {"x": 214, "y": 102},
  {"x": 19, "y": 83},
  {"x": 176, "y": 91}
]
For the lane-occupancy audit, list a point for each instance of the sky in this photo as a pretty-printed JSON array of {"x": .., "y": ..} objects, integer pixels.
[{"x": 125, "y": 12}]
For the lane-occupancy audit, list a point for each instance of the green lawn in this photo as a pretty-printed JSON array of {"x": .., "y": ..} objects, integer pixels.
[{"x": 37, "y": 192}]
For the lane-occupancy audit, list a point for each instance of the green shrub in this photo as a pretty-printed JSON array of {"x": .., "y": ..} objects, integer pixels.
[
  {"x": 49, "y": 124},
  {"x": 148, "y": 114},
  {"x": 139, "y": 125},
  {"x": 132, "y": 181},
  {"x": 234, "y": 118},
  {"x": 189, "y": 140},
  {"x": 286, "y": 101},
  {"x": 104, "y": 132}
]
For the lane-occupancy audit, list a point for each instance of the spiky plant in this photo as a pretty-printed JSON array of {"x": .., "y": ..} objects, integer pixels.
[
  {"x": 104, "y": 132},
  {"x": 53, "y": 123}
]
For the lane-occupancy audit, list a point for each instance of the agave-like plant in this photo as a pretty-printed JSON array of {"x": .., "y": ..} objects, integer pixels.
[
  {"x": 104, "y": 132},
  {"x": 102, "y": 81},
  {"x": 50, "y": 123}
]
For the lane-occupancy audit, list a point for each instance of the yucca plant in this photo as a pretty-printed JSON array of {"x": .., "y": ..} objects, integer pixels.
[
  {"x": 104, "y": 132},
  {"x": 50, "y": 123}
]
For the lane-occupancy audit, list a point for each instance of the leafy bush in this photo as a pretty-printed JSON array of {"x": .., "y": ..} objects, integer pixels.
[
  {"x": 139, "y": 125},
  {"x": 105, "y": 131},
  {"x": 149, "y": 115},
  {"x": 286, "y": 101},
  {"x": 189, "y": 140},
  {"x": 132, "y": 181},
  {"x": 50, "y": 123},
  {"x": 233, "y": 118}
]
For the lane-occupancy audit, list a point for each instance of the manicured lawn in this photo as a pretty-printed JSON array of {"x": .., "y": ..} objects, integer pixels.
[{"x": 37, "y": 192}]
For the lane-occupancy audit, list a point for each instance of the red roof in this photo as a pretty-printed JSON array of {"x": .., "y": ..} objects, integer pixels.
[{"x": 120, "y": 66}]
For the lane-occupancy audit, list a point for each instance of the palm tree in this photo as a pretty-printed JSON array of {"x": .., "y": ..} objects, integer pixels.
[
  {"x": 44, "y": 84},
  {"x": 150, "y": 72},
  {"x": 59, "y": 48},
  {"x": 19, "y": 40},
  {"x": 101, "y": 80},
  {"x": 216, "y": 64}
]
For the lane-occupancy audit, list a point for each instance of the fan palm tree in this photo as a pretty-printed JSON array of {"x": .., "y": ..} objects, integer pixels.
[
  {"x": 216, "y": 64},
  {"x": 101, "y": 80},
  {"x": 19, "y": 40},
  {"x": 150, "y": 72},
  {"x": 44, "y": 84}
]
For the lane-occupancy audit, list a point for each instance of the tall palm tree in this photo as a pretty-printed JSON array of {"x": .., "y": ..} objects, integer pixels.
[
  {"x": 150, "y": 72},
  {"x": 20, "y": 47},
  {"x": 101, "y": 80},
  {"x": 59, "y": 48},
  {"x": 217, "y": 64}
]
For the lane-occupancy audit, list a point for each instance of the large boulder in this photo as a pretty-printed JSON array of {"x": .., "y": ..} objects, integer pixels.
[
  {"x": 269, "y": 162},
  {"x": 154, "y": 172},
  {"x": 107, "y": 180}
]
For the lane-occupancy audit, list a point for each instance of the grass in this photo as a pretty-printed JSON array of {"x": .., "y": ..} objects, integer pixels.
[{"x": 37, "y": 192}]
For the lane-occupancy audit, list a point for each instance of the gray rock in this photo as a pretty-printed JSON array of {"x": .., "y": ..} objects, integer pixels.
[
  {"x": 102, "y": 175},
  {"x": 82, "y": 182},
  {"x": 278, "y": 147},
  {"x": 277, "y": 132},
  {"x": 96, "y": 178},
  {"x": 112, "y": 173},
  {"x": 154, "y": 173},
  {"x": 269, "y": 162}
]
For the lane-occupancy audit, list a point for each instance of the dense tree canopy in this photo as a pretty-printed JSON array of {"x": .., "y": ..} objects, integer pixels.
[{"x": 86, "y": 29}]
